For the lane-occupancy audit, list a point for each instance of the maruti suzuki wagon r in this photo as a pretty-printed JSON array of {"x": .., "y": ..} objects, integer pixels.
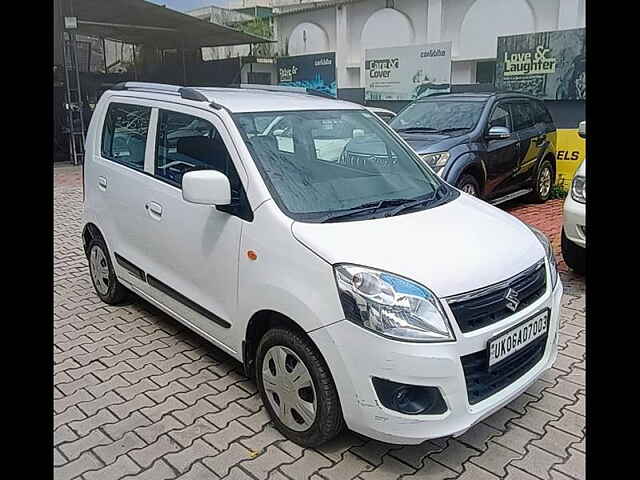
[{"x": 304, "y": 237}]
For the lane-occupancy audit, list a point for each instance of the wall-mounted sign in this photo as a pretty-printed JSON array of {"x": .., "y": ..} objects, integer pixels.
[
  {"x": 549, "y": 65},
  {"x": 70, "y": 23},
  {"x": 407, "y": 73},
  {"x": 570, "y": 152},
  {"x": 314, "y": 72}
]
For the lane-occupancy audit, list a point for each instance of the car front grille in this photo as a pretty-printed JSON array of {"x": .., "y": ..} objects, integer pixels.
[
  {"x": 488, "y": 305},
  {"x": 483, "y": 382}
]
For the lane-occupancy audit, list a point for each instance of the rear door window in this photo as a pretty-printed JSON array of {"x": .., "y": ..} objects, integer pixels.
[
  {"x": 124, "y": 134},
  {"x": 541, "y": 113},
  {"x": 522, "y": 116}
]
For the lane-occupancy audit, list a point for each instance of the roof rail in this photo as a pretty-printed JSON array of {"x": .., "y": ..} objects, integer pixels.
[
  {"x": 317, "y": 93},
  {"x": 188, "y": 93},
  {"x": 514, "y": 91},
  {"x": 275, "y": 88},
  {"x": 283, "y": 88}
]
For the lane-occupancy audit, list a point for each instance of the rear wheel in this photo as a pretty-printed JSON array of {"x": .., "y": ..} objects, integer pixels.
[
  {"x": 468, "y": 184},
  {"x": 574, "y": 255},
  {"x": 543, "y": 182},
  {"x": 297, "y": 389},
  {"x": 103, "y": 276}
]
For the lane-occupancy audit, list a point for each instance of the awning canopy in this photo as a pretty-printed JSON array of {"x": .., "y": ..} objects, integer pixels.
[{"x": 141, "y": 22}]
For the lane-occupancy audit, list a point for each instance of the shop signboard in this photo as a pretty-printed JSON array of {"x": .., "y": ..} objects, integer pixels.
[
  {"x": 548, "y": 65},
  {"x": 407, "y": 73},
  {"x": 314, "y": 72},
  {"x": 570, "y": 152}
]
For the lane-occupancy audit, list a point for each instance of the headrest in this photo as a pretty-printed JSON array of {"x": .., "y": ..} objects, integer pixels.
[
  {"x": 206, "y": 150},
  {"x": 195, "y": 147}
]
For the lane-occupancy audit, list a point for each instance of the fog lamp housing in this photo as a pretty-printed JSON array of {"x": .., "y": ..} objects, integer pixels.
[{"x": 409, "y": 399}]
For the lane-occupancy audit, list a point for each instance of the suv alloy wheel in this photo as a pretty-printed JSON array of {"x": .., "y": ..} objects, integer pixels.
[{"x": 469, "y": 184}]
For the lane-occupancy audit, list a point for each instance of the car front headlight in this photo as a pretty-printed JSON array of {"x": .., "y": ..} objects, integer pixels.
[
  {"x": 579, "y": 189},
  {"x": 553, "y": 268},
  {"x": 390, "y": 305},
  {"x": 436, "y": 160}
]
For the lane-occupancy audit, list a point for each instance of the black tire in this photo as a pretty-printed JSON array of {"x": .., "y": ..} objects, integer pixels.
[
  {"x": 469, "y": 184},
  {"x": 115, "y": 292},
  {"x": 574, "y": 255},
  {"x": 328, "y": 422},
  {"x": 540, "y": 194}
]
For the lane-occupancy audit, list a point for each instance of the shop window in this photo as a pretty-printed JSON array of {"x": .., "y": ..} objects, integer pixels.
[
  {"x": 259, "y": 78},
  {"x": 486, "y": 72}
]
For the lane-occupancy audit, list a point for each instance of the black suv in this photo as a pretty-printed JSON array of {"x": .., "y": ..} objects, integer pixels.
[{"x": 496, "y": 146}]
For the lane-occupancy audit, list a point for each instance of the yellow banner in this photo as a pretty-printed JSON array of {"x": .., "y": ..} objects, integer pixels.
[{"x": 570, "y": 152}]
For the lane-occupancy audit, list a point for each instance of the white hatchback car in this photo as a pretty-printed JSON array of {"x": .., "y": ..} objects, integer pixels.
[
  {"x": 353, "y": 284},
  {"x": 574, "y": 228}
]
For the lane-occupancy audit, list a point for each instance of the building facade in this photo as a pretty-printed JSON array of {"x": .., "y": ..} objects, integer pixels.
[{"x": 350, "y": 27}]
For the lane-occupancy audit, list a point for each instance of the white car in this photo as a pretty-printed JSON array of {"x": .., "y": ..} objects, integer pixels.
[
  {"x": 362, "y": 292},
  {"x": 574, "y": 228}
]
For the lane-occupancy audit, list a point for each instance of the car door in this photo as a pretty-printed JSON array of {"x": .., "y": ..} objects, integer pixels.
[
  {"x": 121, "y": 170},
  {"x": 193, "y": 248},
  {"x": 531, "y": 141},
  {"x": 500, "y": 153}
]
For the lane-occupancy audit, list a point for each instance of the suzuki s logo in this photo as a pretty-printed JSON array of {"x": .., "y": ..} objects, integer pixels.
[{"x": 511, "y": 299}]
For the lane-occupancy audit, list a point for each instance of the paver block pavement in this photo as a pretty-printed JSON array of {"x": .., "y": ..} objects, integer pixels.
[{"x": 137, "y": 395}]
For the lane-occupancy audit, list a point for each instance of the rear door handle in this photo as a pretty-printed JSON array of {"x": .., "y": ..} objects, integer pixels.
[
  {"x": 102, "y": 183},
  {"x": 154, "y": 209}
]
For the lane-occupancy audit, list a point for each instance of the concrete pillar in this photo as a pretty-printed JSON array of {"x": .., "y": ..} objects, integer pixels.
[
  {"x": 568, "y": 14},
  {"x": 434, "y": 21},
  {"x": 342, "y": 45}
]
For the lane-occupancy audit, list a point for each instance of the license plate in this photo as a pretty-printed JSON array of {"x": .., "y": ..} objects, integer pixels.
[{"x": 516, "y": 338}]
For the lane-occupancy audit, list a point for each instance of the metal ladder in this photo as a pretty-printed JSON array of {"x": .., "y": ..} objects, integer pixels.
[{"x": 73, "y": 98}]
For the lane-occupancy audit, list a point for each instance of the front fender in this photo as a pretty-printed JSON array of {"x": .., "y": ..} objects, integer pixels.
[
  {"x": 455, "y": 168},
  {"x": 286, "y": 277}
]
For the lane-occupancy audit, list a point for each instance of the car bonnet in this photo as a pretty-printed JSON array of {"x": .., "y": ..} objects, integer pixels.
[{"x": 454, "y": 248}]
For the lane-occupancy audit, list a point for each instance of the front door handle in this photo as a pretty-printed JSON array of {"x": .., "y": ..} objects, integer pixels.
[
  {"x": 102, "y": 183},
  {"x": 154, "y": 209}
]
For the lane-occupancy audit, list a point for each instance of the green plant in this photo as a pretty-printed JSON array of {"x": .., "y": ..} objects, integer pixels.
[{"x": 559, "y": 190}]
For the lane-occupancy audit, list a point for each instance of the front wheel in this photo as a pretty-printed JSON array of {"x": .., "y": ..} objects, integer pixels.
[
  {"x": 574, "y": 255},
  {"x": 297, "y": 389},
  {"x": 468, "y": 184}
]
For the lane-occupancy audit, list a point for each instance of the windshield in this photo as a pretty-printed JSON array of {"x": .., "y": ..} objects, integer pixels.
[
  {"x": 321, "y": 165},
  {"x": 439, "y": 116}
]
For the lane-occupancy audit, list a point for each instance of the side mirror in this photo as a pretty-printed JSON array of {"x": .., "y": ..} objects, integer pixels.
[
  {"x": 496, "y": 133},
  {"x": 206, "y": 187},
  {"x": 582, "y": 129}
]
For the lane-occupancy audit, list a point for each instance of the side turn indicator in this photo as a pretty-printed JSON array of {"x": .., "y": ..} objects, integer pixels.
[{"x": 252, "y": 255}]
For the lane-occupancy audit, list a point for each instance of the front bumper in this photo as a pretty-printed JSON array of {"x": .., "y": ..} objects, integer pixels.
[
  {"x": 575, "y": 222},
  {"x": 355, "y": 355}
]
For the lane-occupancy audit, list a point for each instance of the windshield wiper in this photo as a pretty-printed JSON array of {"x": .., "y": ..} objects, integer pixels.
[
  {"x": 453, "y": 129},
  {"x": 417, "y": 129},
  {"x": 365, "y": 207},
  {"x": 420, "y": 201}
]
